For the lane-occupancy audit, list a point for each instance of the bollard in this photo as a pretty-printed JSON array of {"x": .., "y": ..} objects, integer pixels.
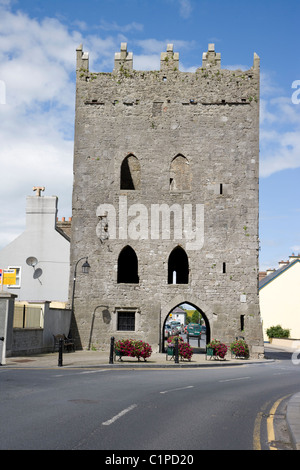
[
  {"x": 60, "y": 353},
  {"x": 188, "y": 338},
  {"x": 1, "y": 339},
  {"x": 111, "y": 354},
  {"x": 176, "y": 351}
]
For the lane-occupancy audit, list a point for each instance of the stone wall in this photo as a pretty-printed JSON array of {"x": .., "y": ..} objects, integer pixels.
[{"x": 196, "y": 139}]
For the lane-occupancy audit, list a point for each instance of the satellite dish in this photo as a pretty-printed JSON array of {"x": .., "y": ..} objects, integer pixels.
[
  {"x": 37, "y": 273},
  {"x": 31, "y": 261}
]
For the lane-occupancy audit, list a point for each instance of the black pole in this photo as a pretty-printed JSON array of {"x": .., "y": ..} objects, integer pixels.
[
  {"x": 1, "y": 339},
  {"x": 176, "y": 351},
  {"x": 188, "y": 338},
  {"x": 111, "y": 354},
  {"x": 60, "y": 353}
]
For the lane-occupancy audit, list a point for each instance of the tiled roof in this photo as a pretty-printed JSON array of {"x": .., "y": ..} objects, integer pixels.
[{"x": 276, "y": 273}]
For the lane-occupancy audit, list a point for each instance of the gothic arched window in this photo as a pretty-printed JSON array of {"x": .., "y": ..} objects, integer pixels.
[
  {"x": 130, "y": 173},
  {"x": 128, "y": 266},
  {"x": 180, "y": 174},
  {"x": 178, "y": 267}
]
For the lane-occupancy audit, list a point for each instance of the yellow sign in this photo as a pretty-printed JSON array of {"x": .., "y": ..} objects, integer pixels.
[{"x": 9, "y": 277}]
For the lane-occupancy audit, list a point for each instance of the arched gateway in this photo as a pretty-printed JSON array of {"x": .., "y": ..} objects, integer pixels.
[{"x": 183, "y": 313}]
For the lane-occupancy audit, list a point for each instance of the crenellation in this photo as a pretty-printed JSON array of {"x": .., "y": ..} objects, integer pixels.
[
  {"x": 123, "y": 59},
  {"x": 169, "y": 60},
  {"x": 82, "y": 59}
]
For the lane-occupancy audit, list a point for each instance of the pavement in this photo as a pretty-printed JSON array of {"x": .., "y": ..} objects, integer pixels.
[{"x": 101, "y": 359}]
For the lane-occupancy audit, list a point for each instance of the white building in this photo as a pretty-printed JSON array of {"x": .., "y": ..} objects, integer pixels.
[
  {"x": 279, "y": 297},
  {"x": 40, "y": 255}
]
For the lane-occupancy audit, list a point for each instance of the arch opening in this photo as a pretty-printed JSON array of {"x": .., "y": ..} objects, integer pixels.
[
  {"x": 178, "y": 267},
  {"x": 128, "y": 266},
  {"x": 130, "y": 173},
  {"x": 180, "y": 174},
  {"x": 186, "y": 313}
]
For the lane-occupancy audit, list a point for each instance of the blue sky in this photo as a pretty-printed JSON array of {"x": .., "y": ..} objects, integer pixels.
[{"x": 38, "y": 39}]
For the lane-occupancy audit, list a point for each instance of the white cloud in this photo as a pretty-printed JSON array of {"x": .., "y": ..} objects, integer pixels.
[
  {"x": 185, "y": 8},
  {"x": 280, "y": 130}
]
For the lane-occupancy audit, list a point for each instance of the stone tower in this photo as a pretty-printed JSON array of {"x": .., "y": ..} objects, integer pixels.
[{"x": 165, "y": 199}]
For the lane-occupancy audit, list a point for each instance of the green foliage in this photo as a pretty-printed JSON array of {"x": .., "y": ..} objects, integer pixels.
[
  {"x": 220, "y": 349},
  {"x": 278, "y": 332},
  {"x": 240, "y": 348}
]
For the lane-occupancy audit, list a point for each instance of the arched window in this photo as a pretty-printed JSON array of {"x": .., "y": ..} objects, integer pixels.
[
  {"x": 180, "y": 174},
  {"x": 128, "y": 266},
  {"x": 130, "y": 173},
  {"x": 178, "y": 267}
]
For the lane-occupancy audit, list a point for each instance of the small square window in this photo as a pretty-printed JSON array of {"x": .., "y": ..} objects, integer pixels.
[{"x": 126, "y": 321}]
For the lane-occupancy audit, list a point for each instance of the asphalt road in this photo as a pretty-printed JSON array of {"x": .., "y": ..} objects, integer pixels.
[{"x": 153, "y": 410}]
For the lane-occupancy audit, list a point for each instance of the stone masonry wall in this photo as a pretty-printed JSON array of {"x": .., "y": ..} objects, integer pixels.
[{"x": 210, "y": 119}]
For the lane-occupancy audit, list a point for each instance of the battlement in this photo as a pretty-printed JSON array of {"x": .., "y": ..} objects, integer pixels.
[
  {"x": 82, "y": 59},
  {"x": 169, "y": 60},
  {"x": 211, "y": 59}
]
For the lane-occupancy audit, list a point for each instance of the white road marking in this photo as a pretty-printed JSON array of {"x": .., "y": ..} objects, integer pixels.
[
  {"x": 231, "y": 380},
  {"x": 176, "y": 389},
  {"x": 119, "y": 415}
]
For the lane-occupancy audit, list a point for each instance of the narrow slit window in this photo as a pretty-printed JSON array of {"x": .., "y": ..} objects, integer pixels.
[{"x": 224, "y": 268}]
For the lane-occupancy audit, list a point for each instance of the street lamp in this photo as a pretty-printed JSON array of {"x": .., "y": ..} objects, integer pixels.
[{"x": 85, "y": 270}]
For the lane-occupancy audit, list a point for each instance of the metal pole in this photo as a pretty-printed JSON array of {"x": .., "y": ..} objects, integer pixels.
[
  {"x": 176, "y": 351},
  {"x": 60, "y": 353},
  {"x": 1, "y": 339},
  {"x": 111, "y": 354}
]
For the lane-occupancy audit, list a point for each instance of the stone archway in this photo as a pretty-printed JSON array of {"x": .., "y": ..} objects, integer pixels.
[{"x": 177, "y": 316}]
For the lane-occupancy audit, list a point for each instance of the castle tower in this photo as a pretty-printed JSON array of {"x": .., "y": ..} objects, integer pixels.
[{"x": 165, "y": 199}]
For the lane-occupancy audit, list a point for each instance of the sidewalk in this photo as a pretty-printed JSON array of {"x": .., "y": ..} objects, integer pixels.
[{"x": 80, "y": 359}]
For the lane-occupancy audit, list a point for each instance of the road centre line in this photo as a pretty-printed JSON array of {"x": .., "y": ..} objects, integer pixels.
[
  {"x": 119, "y": 415},
  {"x": 177, "y": 389},
  {"x": 232, "y": 380}
]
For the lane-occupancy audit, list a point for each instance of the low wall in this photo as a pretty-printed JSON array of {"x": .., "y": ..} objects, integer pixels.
[
  {"x": 285, "y": 342},
  {"x": 29, "y": 341}
]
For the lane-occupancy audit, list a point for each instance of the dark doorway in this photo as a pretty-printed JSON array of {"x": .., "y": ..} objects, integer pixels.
[
  {"x": 178, "y": 267},
  {"x": 128, "y": 266}
]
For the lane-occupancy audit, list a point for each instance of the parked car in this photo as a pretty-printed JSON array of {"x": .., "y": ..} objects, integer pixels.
[
  {"x": 167, "y": 330},
  {"x": 194, "y": 329},
  {"x": 176, "y": 325}
]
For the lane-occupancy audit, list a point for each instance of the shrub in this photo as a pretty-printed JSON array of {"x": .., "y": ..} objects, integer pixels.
[
  {"x": 240, "y": 348},
  {"x": 278, "y": 332}
]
